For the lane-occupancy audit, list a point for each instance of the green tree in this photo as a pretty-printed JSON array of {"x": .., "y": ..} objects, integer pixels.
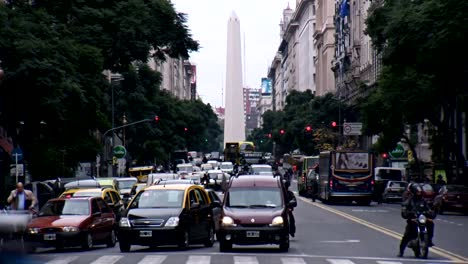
[{"x": 420, "y": 80}]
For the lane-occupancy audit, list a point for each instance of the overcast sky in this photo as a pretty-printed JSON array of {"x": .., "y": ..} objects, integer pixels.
[{"x": 207, "y": 19}]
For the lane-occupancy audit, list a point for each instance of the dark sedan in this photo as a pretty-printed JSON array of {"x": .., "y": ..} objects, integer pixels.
[{"x": 452, "y": 198}]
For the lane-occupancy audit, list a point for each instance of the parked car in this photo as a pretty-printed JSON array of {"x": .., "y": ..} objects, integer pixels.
[
  {"x": 394, "y": 191},
  {"x": 177, "y": 214},
  {"x": 76, "y": 221},
  {"x": 452, "y": 198}
]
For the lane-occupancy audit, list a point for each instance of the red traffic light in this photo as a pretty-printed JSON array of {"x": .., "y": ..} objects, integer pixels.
[
  {"x": 269, "y": 135},
  {"x": 282, "y": 131},
  {"x": 185, "y": 129},
  {"x": 384, "y": 155},
  {"x": 156, "y": 119},
  {"x": 333, "y": 124},
  {"x": 308, "y": 128}
]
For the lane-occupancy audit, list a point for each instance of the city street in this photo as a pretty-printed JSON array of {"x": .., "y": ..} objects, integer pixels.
[{"x": 338, "y": 234}]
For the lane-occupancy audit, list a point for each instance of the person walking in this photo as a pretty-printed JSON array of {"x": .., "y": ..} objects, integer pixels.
[{"x": 21, "y": 199}]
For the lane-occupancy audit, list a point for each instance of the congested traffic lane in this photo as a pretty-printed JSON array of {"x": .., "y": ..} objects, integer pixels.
[
  {"x": 322, "y": 237},
  {"x": 451, "y": 232}
]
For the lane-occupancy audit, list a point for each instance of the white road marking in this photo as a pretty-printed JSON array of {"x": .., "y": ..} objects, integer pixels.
[
  {"x": 245, "y": 260},
  {"x": 341, "y": 241},
  {"x": 340, "y": 261},
  {"x": 198, "y": 260},
  {"x": 153, "y": 259},
  {"x": 293, "y": 261},
  {"x": 388, "y": 262},
  {"x": 110, "y": 259},
  {"x": 370, "y": 210},
  {"x": 64, "y": 260}
]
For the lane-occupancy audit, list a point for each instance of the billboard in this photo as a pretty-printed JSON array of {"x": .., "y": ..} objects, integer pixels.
[
  {"x": 266, "y": 86},
  {"x": 352, "y": 160}
]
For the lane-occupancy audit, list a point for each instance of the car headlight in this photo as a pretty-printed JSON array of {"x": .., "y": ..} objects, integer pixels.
[
  {"x": 124, "y": 222},
  {"x": 277, "y": 221},
  {"x": 70, "y": 229},
  {"x": 228, "y": 221},
  {"x": 422, "y": 219},
  {"x": 33, "y": 230},
  {"x": 173, "y": 221}
]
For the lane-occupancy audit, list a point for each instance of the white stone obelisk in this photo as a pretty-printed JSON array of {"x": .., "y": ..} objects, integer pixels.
[{"x": 234, "y": 122}]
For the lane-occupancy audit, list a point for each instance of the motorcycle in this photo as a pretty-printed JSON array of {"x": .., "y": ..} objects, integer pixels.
[{"x": 420, "y": 244}]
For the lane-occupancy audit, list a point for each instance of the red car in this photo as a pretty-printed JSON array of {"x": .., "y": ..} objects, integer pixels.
[
  {"x": 76, "y": 221},
  {"x": 452, "y": 197}
]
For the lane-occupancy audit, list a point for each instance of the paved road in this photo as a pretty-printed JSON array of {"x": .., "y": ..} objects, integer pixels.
[{"x": 326, "y": 234}]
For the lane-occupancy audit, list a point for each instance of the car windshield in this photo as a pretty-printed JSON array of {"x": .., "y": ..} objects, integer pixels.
[
  {"x": 65, "y": 207},
  {"x": 227, "y": 166},
  {"x": 126, "y": 184},
  {"x": 255, "y": 197},
  {"x": 259, "y": 170},
  {"x": 158, "y": 199}
]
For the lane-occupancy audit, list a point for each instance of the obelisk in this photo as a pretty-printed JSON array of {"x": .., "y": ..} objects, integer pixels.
[{"x": 234, "y": 122}]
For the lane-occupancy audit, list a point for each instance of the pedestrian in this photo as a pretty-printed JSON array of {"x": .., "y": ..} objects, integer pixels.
[
  {"x": 315, "y": 190},
  {"x": 440, "y": 180},
  {"x": 291, "y": 198},
  {"x": 21, "y": 199}
]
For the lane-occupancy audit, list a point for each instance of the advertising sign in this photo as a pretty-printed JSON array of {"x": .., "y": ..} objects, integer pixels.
[
  {"x": 352, "y": 160},
  {"x": 266, "y": 86}
]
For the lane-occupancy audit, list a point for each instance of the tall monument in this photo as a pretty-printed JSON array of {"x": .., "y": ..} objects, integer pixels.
[{"x": 234, "y": 122}]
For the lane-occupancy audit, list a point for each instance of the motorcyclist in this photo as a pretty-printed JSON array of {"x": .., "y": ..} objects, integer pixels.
[
  {"x": 413, "y": 205},
  {"x": 291, "y": 197}
]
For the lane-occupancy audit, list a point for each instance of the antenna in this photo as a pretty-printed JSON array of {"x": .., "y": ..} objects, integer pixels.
[{"x": 245, "y": 65}]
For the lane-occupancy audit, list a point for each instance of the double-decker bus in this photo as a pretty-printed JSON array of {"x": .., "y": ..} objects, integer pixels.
[
  {"x": 304, "y": 182},
  {"x": 346, "y": 176}
]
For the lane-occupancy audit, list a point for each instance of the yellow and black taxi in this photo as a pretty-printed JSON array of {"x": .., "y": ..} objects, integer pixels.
[
  {"x": 176, "y": 214},
  {"x": 75, "y": 221},
  {"x": 110, "y": 196}
]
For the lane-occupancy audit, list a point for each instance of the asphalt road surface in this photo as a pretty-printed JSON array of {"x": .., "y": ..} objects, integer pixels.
[{"x": 337, "y": 234}]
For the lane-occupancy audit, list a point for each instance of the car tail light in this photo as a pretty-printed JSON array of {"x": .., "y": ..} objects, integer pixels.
[
  {"x": 372, "y": 182},
  {"x": 331, "y": 183},
  {"x": 68, "y": 196}
]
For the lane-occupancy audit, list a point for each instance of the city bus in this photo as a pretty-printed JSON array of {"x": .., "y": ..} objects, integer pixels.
[
  {"x": 346, "y": 176},
  {"x": 141, "y": 173},
  {"x": 233, "y": 151},
  {"x": 304, "y": 182}
]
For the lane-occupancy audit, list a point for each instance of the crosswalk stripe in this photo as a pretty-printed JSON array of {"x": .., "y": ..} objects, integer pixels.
[
  {"x": 198, "y": 260},
  {"x": 245, "y": 260},
  {"x": 110, "y": 259},
  {"x": 389, "y": 262},
  {"x": 293, "y": 261},
  {"x": 153, "y": 259},
  {"x": 340, "y": 261},
  {"x": 61, "y": 260}
]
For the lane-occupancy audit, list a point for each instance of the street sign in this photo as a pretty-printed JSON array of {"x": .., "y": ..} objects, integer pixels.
[
  {"x": 352, "y": 129},
  {"x": 119, "y": 151},
  {"x": 398, "y": 152},
  {"x": 17, "y": 153}
]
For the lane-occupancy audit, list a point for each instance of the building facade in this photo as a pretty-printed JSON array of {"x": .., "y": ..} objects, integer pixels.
[
  {"x": 251, "y": 100},
  {"x": 324, "y": 44}
]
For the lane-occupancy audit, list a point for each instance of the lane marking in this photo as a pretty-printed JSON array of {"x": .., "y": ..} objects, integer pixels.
[
  {"x": 198, "y": 260},
  {"x": 111, "y": 259},
  {"x": 388, "y": 262},
  {"x": 341, "y": 241},
  {"x": 153, "y": 259},
  {"x": 293, "y": 261},
  {"x": 245, "y": 260},
  {"x": 64, "y": 260},
  {"x": 340, "y": 261},
  {"x": 436, "y": 250}
]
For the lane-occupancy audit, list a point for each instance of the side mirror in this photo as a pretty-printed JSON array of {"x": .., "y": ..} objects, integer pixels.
[
  {"x": 97, "y": 214},
  {"x": 216, "y": 204},
  {"x": 292, "y": 204},
  {"x": 195, "y": 206}
]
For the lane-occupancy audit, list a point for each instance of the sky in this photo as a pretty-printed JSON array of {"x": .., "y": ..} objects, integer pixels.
[{"x": 207, "y": 20}]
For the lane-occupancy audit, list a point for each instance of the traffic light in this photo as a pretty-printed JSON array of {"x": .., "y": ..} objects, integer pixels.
[
  {"x": 206, "y": 140},
  {"x": 282, "y": 131},
  {"x": 334, "y": 124},
  {"x": 308, "y": 129},
  {"x": 269, "y": 135},
  {"x": 185, "y": 129},
  {"x": 156, "y": 119},
  {"x": 384, "y": 155}
]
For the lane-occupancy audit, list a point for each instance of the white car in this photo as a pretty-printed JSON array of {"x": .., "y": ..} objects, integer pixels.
[
  {"x": 214, "y": 163},
  {"x": 258, "y": 169},
  {"x": 206, "y": 167},
  {"x": 226, "y": 167}
]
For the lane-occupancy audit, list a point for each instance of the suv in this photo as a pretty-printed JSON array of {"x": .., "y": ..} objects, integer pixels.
[{"x": 255, "y": 211}]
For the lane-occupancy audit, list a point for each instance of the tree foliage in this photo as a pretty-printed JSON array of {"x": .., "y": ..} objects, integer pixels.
[
  {"x": 423, "y": 48},
  {"x": 55, "y": 97}
]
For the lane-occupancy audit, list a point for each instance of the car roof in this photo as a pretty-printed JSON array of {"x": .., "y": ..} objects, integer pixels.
[
  {"x": 255, "y": 181},
  {"x": 73, "y": 198},
  {"x": 215, "y": 171},
  {"x": 170, "y": 187},
  {"x": 126, "y": 179},
  {"x": 261, "y": 166}
]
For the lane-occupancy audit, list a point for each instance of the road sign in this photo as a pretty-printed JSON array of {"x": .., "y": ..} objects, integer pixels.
[
  {"x": 352, "y": 129},
  {"x": 398, "y": 152},
  {"x": 119, "y": 151},
  {"x": 17, "y": 153}
]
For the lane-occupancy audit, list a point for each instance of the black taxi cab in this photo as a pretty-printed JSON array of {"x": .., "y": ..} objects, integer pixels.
[{"x": 175, "y": 214}]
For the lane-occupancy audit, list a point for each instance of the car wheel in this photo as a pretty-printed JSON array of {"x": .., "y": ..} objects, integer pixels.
[
  {"x": 225, "y": 246},
  {"x": 124, "y": 247},
  {"x": 284, "y": 245},
  {"x": 185, "y": 243},
  {"x": 112, "y": 240},
  {"x": 88, "y": 242},
  {"x": 211, "y": 237}
]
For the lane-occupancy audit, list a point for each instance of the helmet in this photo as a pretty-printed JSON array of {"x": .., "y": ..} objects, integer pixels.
[{"x": 416, "y": 190}]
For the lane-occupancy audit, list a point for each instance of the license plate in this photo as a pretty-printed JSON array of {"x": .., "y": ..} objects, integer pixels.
[
  {"x": 146, "y": 234},
  {"x": 50, "y": 237},
  {"x": 253, "y": 234}
]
